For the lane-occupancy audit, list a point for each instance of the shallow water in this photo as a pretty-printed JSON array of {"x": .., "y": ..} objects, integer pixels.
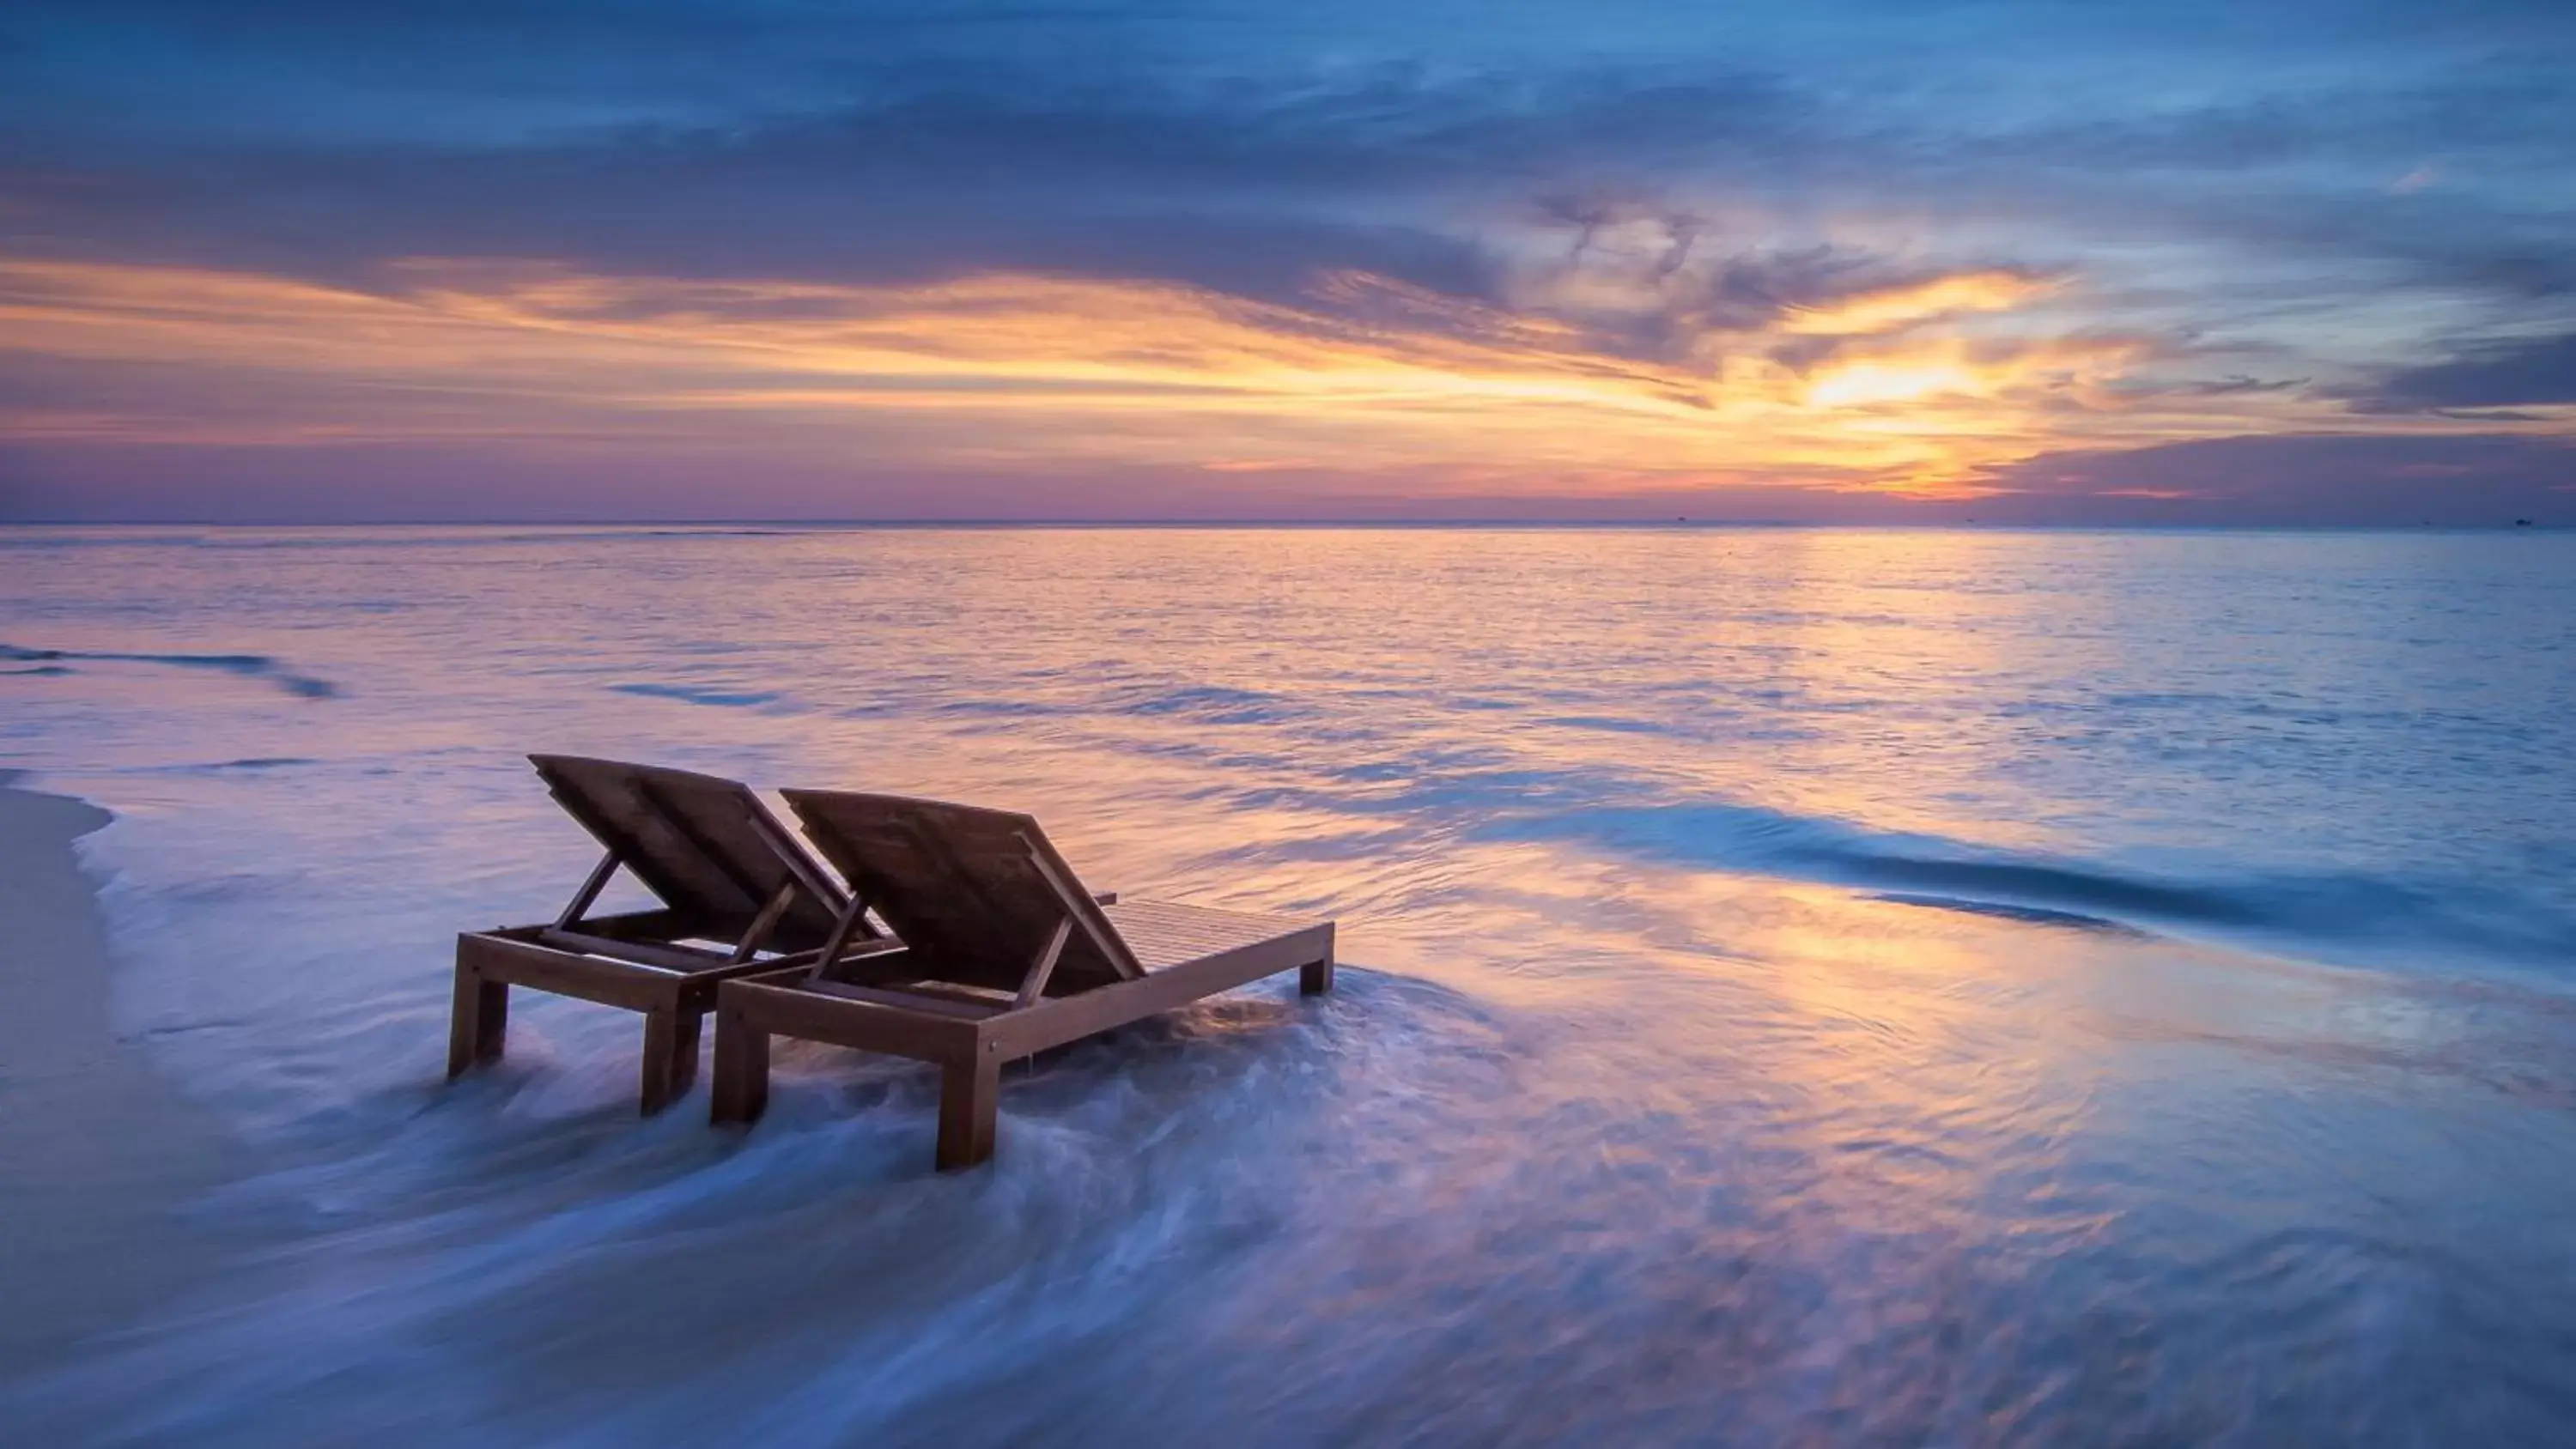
[{"x": 1800, "y": 987}]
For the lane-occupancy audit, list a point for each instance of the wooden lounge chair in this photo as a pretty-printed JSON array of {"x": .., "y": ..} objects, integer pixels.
[
  {"x": 734, "y": 884},
  {"x": 1003, "y": 955}
]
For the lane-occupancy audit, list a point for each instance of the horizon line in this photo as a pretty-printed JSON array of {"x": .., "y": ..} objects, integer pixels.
[{"x": 2508, "y": 525}]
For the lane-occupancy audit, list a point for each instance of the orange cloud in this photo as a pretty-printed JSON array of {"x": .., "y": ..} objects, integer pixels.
[
  {"x": 1925, "y": 388},
  {"x": 1892, "y": 308}
]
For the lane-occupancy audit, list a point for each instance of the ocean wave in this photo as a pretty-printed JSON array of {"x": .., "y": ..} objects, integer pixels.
[
  {"x": 251, "y": 762},
  {"x": 1209, "y": 704},
  {"x": 700, "y": 694},
  {"x": 532, "y": 1180},
  {"x": 1610, "y": 723},
  {"x": 999, "y": 708},
  {"x": 248, "y": 666},
  {"x": 2028, "y": 915},
  {"x": 2336, "y": 914}
]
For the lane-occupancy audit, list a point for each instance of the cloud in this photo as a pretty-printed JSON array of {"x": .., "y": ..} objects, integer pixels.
[
  {"x": 2515, "y": 373},
  {"x": 1869, "y": 246},
  {"x": 939, "y": 169},
  {"x": 1196, "y": 145},
  {"x": 2327, "y": 479},
  {"x": 1364, "y": 377}
]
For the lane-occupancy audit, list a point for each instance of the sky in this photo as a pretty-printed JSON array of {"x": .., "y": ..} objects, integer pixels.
[{"x": 1860, "y": 261}]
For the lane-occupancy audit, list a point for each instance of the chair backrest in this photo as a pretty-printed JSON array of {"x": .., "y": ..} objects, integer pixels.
[
  {"x": 974, "y": 894},
  {"x": 707, "y": 846}
]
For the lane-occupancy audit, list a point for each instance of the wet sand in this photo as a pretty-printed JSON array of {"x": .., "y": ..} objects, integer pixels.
[{"x": 102, "y": 1155}]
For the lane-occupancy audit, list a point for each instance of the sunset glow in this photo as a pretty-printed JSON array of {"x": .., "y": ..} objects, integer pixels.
[
  {"x": 1441, "y": 307},
  {"x": 1016, "y": 373}
]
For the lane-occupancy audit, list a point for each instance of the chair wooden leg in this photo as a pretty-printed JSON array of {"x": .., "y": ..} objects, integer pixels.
[
  {"x": 479, "y": 1023},
  {"x": 740, "y": 1090},
  {"x": 969, "y": 1102},
  {"x": 1315, "y": 977},
  {"x": 670, "y": 1056}
]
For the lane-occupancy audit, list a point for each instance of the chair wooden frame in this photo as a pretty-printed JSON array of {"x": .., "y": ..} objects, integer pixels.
[
  {"x": 969, "y": 1015},
  {"x": 735, "y": 886}
]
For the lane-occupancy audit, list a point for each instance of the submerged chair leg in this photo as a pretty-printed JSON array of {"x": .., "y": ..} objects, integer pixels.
[
  {"x": 740, "y": 1091},
  {"x": 670, "y": 1056},
  {"x": 969, "y": 1102},
  {"x": 1315, "y": 977},
  {"x": 479, "y": 1023}
]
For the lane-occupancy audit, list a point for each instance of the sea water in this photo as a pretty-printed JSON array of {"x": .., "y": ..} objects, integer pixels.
[{"x": 1799, "y": 987}]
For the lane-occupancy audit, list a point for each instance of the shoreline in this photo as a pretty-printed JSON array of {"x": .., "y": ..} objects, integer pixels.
[{"x": 103, "y": 1154}]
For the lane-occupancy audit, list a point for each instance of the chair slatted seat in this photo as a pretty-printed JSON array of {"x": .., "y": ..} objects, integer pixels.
[{"x": 1003, "y": 954}]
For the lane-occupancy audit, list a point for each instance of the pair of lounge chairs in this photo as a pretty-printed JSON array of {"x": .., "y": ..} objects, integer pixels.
[{"x": 960, "y": 937}]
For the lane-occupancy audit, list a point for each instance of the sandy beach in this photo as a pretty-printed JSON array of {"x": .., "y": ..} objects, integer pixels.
[{"x": 104, "y": 1155}]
